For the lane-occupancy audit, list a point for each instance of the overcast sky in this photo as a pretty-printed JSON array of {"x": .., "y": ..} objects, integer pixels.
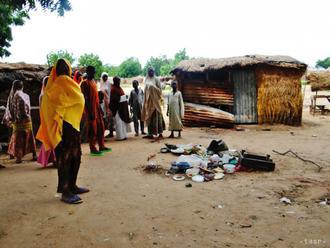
[{"x": 119, "y": 29}]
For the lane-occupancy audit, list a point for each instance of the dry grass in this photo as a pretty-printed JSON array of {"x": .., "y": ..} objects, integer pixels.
[
  {"x": 204, "y": 64},
  {"x": 319, "y": 80},
  {"x": 279, "y": 97}
]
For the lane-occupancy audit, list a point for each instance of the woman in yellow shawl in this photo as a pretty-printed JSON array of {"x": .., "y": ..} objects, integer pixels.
[{"x": 60, "y": 114}]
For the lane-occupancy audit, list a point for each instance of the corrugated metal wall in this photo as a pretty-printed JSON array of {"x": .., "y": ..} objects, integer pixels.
[{"x": 245, "y": 96}]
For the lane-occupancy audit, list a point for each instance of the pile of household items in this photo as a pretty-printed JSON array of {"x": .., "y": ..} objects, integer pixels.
[{"x": 202, "y": 164}]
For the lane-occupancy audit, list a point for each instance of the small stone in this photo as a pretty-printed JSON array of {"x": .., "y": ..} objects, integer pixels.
[
  {"x": 188, "y": 185},
  {"x": 245, "y": 225}
]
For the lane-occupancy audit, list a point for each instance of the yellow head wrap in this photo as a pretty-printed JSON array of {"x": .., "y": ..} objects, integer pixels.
[{"x": 62, "y": 101}]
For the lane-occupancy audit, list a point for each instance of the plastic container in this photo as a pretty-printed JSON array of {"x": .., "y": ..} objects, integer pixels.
[{"x": 229, "y": 168}]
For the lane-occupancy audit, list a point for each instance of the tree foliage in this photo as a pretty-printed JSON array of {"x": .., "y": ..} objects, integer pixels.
[
  {"x": 111, "y": 70},
  {"x": 165, "y": 69},
  {"x": 60, "y": 6},
  {"x": 323, "y": 63},
  {"x": 162, "y": 65},
  {"x": 131, "y": 67},
  {"x": 14, "y": 13},
  {"x": 179, "y": 56},
  {"x": 156, "y": 63},
  {"x": 91, "y": 59},
  {"x": 9, "y": 17},
  {"x": 52, "y": 57}
]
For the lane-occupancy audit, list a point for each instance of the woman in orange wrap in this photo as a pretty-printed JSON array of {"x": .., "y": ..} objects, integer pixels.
[{"x": 93, "y": 114}]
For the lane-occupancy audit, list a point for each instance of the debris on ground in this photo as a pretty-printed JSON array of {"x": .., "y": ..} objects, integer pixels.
[
  {"x": 201, "y": 164},
  {"x": 188, "y": 185},
  {"x": 153, "y": 167},
  {"x": 297, "y": 156},
  {"x": 325, "y": 202},
  {"x": 151, "y": 156},
  {"x": 285, "y": 200}
]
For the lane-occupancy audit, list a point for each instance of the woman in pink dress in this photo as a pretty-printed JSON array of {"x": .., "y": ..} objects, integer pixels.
[{"x": 45, "y": 157}]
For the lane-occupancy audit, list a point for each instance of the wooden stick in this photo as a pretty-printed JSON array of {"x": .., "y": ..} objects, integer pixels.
[{"x": 297, "y": 156}]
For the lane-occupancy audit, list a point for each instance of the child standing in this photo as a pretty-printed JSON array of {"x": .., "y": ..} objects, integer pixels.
[
  {"x": 175, "y": 110},
  {"x": 136, "y": 99}
]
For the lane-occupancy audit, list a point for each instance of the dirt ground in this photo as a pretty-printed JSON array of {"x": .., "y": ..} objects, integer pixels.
[{"x": 127, "y": 208}]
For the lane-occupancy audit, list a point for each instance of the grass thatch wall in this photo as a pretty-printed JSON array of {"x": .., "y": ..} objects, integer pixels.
[
  {"x": 279, "y": 95},
  {"x": 319, "y": 80}
]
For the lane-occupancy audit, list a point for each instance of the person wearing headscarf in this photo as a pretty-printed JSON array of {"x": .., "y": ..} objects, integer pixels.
[
  {"x": 18, "y": 116},
  {"x": 77, "y": 77},
  {"x": 61, "y": 109},
  {"x": 105, "y": 88},
  {"x": 119, "y": 109},
  {"x": 136, "y": 101},
  {"x": 175, "y": 110},
  {"x": 152, "y": 110},
  {"x": 45, "y": 157},
  {"x": 93, "y": 114}
]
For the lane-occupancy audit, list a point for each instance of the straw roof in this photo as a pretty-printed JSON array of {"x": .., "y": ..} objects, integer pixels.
[
  {"x": 203, "y": 65},
  {"x": 319, "y": 80},
  {"x": 21, "y": 66}
]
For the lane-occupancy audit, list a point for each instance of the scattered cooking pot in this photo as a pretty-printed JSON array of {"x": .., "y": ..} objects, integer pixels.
[
  {"x": 178, "y": 177},
  {"x": 164, "y": 150},
  {"x": 198, "y": 178},
  {"x": 209, "y": 177}
]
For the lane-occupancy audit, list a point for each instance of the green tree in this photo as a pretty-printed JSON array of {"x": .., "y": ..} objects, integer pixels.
[
  {"x": 165, "y": 69},
  {"x": 60, "y": 6},
  {"x": 111, "y": 70},
  {"x": 179, "y": 56},
  {"x": 14, "y": 13},
  {"x": 162, "y": 65},
  {"x": 52, "y": 57},
  {"x": 91, "y": 59},
  {"x": 9, "y": 17},
  {"x": 131, "y": 67},
  {"x": 156, "y": 63},
  {"x": 323, "y": 63}
]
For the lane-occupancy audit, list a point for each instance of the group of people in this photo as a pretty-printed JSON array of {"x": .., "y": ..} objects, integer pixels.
[{"x": 72, "y": 104}]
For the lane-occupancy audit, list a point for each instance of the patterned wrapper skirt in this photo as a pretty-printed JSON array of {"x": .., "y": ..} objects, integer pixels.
[
  {"x": 22, "y": 140},
  {"x": 157, "y": 124}
]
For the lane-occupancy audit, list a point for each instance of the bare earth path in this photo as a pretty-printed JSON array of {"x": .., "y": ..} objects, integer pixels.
[{"x": 127, "y": 208}]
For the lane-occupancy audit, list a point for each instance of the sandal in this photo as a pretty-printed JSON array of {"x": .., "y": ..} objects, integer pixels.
[
  {"x": 80, "y": 190},
  {"x": 71, "y": 199},
  {"x": 96, "y": 153},
  {"x": 148, "y": 137},
  {"x": 106, "y": 149}
]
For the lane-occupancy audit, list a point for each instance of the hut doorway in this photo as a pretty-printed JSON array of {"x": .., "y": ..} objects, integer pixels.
[{"x": 245, "y": 96}]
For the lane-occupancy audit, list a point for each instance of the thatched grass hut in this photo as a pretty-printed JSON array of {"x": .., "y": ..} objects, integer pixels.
[
  {"x": 319, "y": 80},
  {"x": 249, "y": 89}
]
